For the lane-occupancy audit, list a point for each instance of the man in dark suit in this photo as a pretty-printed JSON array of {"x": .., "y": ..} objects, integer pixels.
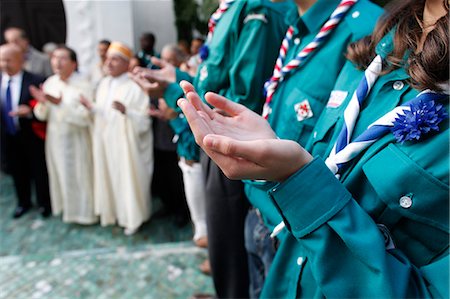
[{"x": 23, "y": 154}]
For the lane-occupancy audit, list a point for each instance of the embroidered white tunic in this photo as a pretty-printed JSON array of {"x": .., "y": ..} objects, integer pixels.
[
  {"x": 69, "y": 149},
  {"x": 123, "y": 153}
]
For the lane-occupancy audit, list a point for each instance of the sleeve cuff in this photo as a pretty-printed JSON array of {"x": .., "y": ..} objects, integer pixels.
[
  {"x": 309, "y": 198},
  {"x": 172, "y": 93},
  {"x": 180, "y": 76}
]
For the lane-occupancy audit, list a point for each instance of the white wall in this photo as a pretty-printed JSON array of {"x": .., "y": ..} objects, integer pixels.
[
  {"x": 155, "y": 16},
  {"x": 89, "y": 21}
]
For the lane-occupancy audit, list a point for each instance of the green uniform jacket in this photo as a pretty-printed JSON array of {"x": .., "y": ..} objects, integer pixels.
[
  {"x": 313, "y": 81},
  {"x": 243, "y": 51},
  {"x": 242, "y": 55},
  {"x": 335, "y": 247}
]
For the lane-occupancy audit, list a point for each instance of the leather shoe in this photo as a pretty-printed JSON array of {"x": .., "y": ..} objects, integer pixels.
[
  {"x": 20, "y": 211},
  {"x": 45, "y": 213},
  {"x": 181, "y": 220}
]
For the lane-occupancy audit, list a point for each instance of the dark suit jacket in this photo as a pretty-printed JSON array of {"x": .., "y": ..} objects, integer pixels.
[{"x": 25, "y": 124}]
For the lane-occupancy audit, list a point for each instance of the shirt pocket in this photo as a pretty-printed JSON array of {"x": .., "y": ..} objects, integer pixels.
[
  {"x": 298, "y": 115},
  {"x": 416, "y": 199}
]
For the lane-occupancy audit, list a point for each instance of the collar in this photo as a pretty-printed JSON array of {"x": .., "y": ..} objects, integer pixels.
[
  {"x": 385, "y": 47},
  {"x": 72, "y": 78},
  {"x": 15, "y": 78},
  {"x": 386, "y": 44},
  {"x": 315, "y": 16},
  {"x": 120, "y": 78}
]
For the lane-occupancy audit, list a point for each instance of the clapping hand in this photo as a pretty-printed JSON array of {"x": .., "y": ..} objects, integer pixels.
[
  {"x": 42, "y": 97},
  {"x": 154, "y": 82},
  {"x": 119, "y": 107},
  {"x": 86, "y": 103},
  {"x": 37, "y": 93}
]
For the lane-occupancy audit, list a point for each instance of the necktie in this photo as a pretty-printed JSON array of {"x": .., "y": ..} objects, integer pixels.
[
  {"x": 9, "y": 121},
  {"x": 280, "y": 71}
]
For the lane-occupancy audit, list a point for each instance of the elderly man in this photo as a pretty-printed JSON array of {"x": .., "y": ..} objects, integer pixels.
[
  {"x": 68, "y": 147},
  {"x": 22, "y": 150},
  {"x": 123, "y": 145},
  {"x": 35, "y": 61}
]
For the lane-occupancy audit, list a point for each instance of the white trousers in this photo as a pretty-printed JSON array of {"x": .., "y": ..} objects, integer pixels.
[{"x": 194, "y": 189}]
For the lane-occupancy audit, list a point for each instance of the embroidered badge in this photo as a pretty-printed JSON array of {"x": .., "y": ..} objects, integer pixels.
[
  {"x": 303, "y": 110},
  {"x": 203, "y": 73},
  {"x": 336, "y": 98},
  {"x": 255, "y": 16},
  {"x": 423, "y": 118}
]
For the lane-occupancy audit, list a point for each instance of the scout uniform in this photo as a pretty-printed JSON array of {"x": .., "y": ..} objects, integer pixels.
[
  {"x": 301, "y": 97},
  {"x": 241, "y": 55},
  {"x": 383, "y": 230},
  {"x": 302, "y": 94}
]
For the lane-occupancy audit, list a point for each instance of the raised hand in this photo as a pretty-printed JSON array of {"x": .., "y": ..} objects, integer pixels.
[
  {"x": 37, "y": 93},
  {"x": 119, "y": 107},
  {"x": 86, "y": 103},
  {"x": 228, "y": 118},
  {"x": 53, "y": 100},
  {"x": 154, "y": 82},
  {"x": 268, "y": 159},
  {"x": 242, "y": 144},
  {"x": 42, "y": 97},
  {"x": 22, "y": 111}
]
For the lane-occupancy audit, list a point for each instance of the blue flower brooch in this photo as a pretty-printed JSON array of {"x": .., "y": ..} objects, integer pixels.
[{"x": 423, "y": 118}]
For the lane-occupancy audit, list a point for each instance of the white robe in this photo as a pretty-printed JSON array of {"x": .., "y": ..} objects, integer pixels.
[
  {"x": 123, "y": 154},
  {"x": 69, "y": 149}
]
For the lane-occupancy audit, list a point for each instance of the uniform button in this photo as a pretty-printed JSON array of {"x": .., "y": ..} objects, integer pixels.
[
  {"x": 274, "y": 189},
  {"x": 300, "y": 261},
  {"x": 355, "y": 14},
  {"x": 383, "y": 45},
  {"x": 315, "y": 134},
  {"x": 297, "y": 41},
  {"x": 405, "y": 202},
  {"x": 398, "y": 85}
]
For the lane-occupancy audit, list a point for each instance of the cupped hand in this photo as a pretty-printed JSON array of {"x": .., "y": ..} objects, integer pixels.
[
  {"x": 37, "y": 93},
  {"x": 227, "y": 118},
  {"x": 268, "y": 159}
]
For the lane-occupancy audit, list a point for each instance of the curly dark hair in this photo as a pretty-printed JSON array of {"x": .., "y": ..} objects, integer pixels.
[{"x": 428, "y": 66}]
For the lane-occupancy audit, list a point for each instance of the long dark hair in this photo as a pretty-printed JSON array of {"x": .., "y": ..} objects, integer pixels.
[{"x": 427, "y": 68}]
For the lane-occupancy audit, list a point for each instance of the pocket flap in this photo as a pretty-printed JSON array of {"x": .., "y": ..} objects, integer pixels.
[{"x": 394, "y": 175}]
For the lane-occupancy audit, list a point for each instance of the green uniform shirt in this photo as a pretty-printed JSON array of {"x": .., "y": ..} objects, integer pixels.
[
  {"x": 335, "y": 246},
  {"x": 242, "y": 54},
  {"x": 312, "y": 81},
  {"x": 243, "y": 51}
]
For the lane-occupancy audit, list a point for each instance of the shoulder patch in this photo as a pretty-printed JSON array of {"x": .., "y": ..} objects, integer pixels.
[{"x": 255, "y": 16}]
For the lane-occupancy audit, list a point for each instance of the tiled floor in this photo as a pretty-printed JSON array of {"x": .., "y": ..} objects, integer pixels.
[{"x": 54, "y": 260}]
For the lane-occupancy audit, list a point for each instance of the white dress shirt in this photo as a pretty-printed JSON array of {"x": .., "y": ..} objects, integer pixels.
[{"x": 15, "y": 87}]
